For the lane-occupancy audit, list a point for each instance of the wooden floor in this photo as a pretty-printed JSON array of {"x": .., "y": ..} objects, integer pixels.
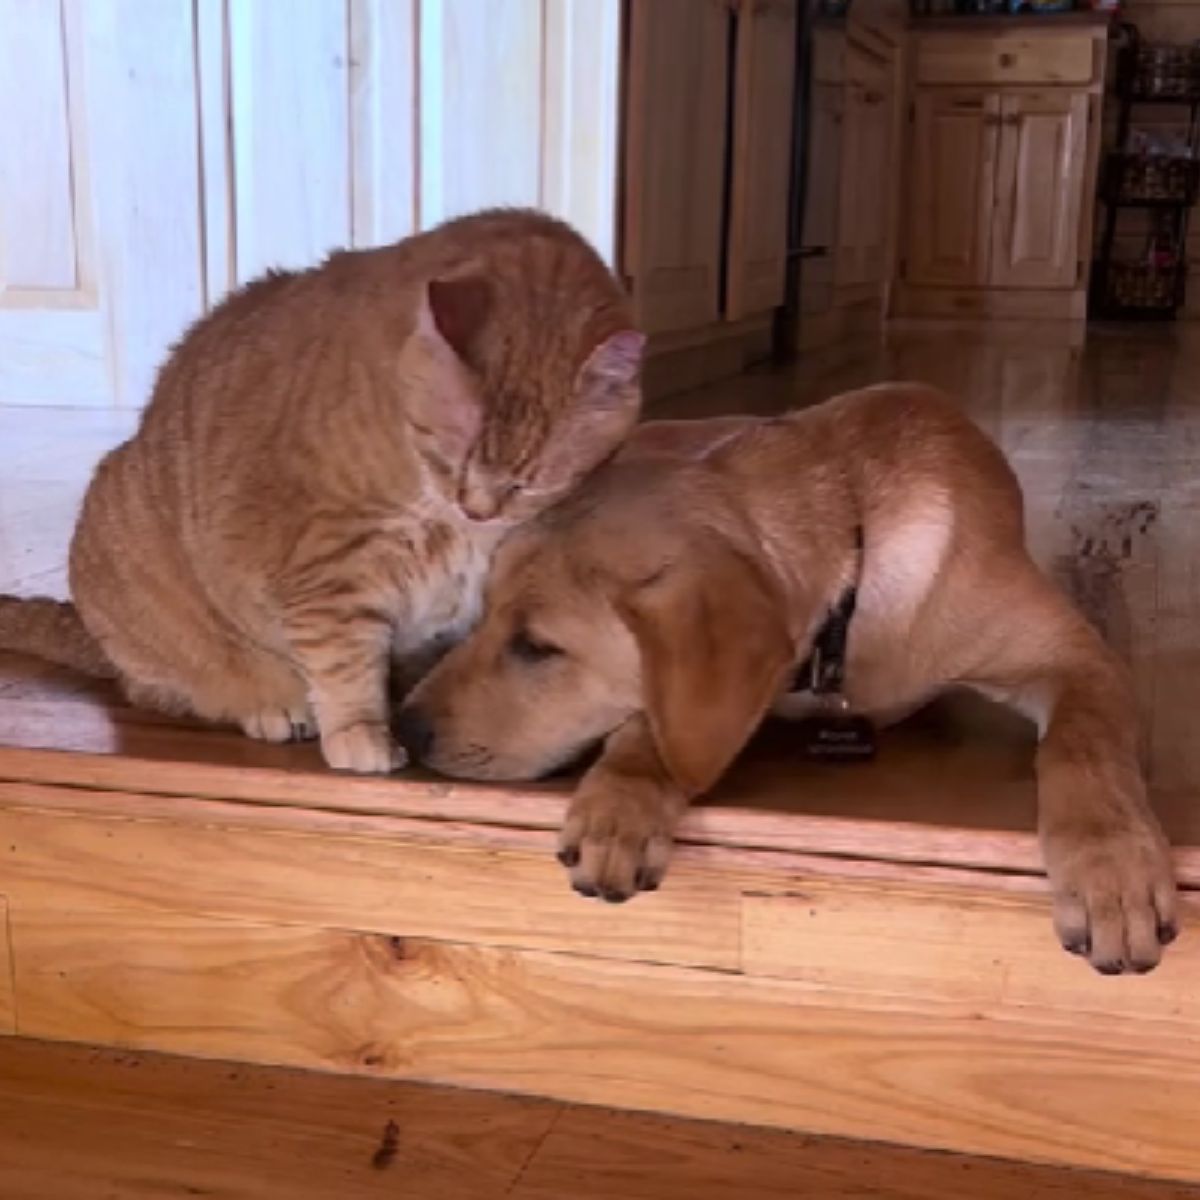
[
  {"x": 862, "y": 952},
  {"x": 78, "y": 1123}
]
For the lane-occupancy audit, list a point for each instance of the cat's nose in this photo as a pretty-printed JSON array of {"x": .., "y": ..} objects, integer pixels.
[
  {"x": 477, "y": 502},
  {"x": 415, "y": 731}
]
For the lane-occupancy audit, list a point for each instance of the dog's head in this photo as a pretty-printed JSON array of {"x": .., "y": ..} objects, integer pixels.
[{"x": 623, "y": 600}]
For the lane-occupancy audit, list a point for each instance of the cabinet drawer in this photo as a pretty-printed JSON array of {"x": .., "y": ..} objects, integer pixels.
[{"x": 1010, "y": 59}]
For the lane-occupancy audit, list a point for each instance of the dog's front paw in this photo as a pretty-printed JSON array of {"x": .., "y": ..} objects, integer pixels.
[
  {"x": 1114, "y": 895},
  {"x": 617, "y": 839},
  {"x": 365, "y": 748}
]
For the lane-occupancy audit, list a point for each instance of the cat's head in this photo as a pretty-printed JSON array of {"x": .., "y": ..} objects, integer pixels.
[{"x": 521, "y": 391}]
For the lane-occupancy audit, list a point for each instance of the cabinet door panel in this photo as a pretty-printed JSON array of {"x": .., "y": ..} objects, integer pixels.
[
  {"x": 678, "y": 74},
  {"x": 761, "y": 170},
  {"x": 821, "y": 195},
  {"x": 867, "y": 187},
  {"x": 1043, "y": 144},
  {"x": 950, "y": 203}
]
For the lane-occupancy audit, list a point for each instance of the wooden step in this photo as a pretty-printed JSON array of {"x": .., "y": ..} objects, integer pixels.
[{"x": 863, "y": 952}]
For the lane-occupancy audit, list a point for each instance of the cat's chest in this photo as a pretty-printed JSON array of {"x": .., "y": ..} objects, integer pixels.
[{"x": 443, "y": 578}]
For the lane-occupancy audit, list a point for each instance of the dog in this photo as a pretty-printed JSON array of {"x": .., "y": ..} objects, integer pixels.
[{"x": 663, "y": 608}]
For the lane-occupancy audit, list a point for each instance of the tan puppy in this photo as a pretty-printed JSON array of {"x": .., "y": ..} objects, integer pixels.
[{"x": 665, "y": 606}]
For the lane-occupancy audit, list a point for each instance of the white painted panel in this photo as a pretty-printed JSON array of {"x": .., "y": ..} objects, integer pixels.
[
  {"x": 290, "y": 105},
  {"x": 383, "y": 119},
  {"x": 480, "y": 105},
  {"x": 37, "y": 236},
  {"x": 582, "y": 117},
  {"x": 53, "y": 357},
  {"x": 143, "y": 137}
]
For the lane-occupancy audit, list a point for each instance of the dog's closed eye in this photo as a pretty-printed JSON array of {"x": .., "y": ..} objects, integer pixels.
[{"x": 529, "y": 649}]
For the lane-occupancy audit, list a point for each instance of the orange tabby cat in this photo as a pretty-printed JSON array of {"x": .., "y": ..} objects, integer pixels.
[{"x": 324, "y": 468}]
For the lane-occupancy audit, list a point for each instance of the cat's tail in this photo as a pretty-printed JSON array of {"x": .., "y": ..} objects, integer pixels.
[{"x": 51, "y": 629}]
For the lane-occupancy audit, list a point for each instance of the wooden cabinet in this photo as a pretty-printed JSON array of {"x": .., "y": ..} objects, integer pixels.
[
  {"x": 761, "y": 158},
  {"x": 170, "y": 157},
  {"x": 866, "y": 178},
  {"x": 851, "y": 186},
  {"x": 676, "y": 147},
  {"x": 997, "y": 188},
  {"x": 1039, "y": 190},
  {"x": 169, "y": 151},
  {"x": 951, "y": 187},
  {"x": 1003, "y": 141},
  {"x": 708, "y": 151}
]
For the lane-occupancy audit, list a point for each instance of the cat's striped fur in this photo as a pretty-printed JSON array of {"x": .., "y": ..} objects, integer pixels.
[{"x": 324, "y": 468}]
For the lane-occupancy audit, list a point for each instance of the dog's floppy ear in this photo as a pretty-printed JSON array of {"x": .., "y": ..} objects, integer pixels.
[{"x": 715, "y": 650}]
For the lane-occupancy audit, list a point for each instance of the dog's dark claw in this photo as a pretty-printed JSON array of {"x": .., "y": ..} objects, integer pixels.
[
  {"x": 1081, "y": 945},
  {"x": 1110, "y": 968},
  {"x": 568, "y": 856},
  {"x": 586, "y": 889},
  {"x": 1168, "y": 931},
  {"x": 613, "y": 896},
  {"x": 646, "y": 881}
]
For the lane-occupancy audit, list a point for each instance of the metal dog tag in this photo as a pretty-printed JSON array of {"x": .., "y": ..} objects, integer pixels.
[{"x": 838, "y": 736}]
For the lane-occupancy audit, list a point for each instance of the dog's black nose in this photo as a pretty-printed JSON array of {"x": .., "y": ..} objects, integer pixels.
[{"x": 415, "y": 731}]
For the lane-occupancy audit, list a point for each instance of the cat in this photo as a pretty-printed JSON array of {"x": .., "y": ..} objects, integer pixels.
[{"x": 326, "y": 463}]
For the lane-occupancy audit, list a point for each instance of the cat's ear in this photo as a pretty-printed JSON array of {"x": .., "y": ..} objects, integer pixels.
[
  {"x": 450, "y": 314},
  {"x": 612, "y": 369},
  {"x": 458, "y": 308}
]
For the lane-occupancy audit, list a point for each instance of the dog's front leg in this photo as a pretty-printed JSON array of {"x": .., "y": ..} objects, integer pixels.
[
  {"x": 619, "y": 829},
  {"x": 1106, "y": 855}
]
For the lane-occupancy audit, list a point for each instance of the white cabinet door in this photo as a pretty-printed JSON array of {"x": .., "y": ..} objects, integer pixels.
[
  {"x": 156, "y": 153},
  {"x": 100, "y": 244}
]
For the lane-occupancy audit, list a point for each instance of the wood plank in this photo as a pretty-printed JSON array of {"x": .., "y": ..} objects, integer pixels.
[
  {"x": 953, "y": 143},
  {"x": 37, "y": 219},
  {"x": 383, "y": 90},
  {"x": 290, "y": 126},
  {"x": 459, "y": 892},
  {"x": 79, "y": 1124},
  {"x": 760, "y": 158},
  {"x": 8, "y": 1005},
  {"x": 53, "y": 356},
  {"x": 216, "y": 149},
  {"x": 675, "y": 156},
  {"x": 698, "y": 1043},
  {"x": 1015, "y": 304},
  {"x": 480, "y": 106},
  {"x": 142, "y": 132},
  {"x": 977, "y": 952},
  {"x": 628, "y": 1156},
  {"x": 114, "y": 1123},
  {"x": 1061, "y": 58},
  {"x": 1040, "y": 191},
  {"x": 581, "y": 118}
]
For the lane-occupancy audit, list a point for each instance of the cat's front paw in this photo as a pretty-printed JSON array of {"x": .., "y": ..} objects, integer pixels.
[
  {"x": 280, "y": 725},
  {"x": 365, "y": 748},
  {"x": 1114, "y": 895}
]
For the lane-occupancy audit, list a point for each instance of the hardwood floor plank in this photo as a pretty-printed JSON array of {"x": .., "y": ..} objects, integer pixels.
[
  {"x": 624, "y": 1156},
  {"x": 84, "y": 1124},
  {"x": 8, "y": 1005},
  {"x": 78, "y": 1123}
]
